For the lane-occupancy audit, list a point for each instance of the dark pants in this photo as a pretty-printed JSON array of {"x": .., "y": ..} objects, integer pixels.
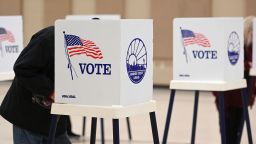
[
  {"x": 233, "y": 119},
  {"x": 69, "y": 127},
  {"x": 22, "y": 136}
]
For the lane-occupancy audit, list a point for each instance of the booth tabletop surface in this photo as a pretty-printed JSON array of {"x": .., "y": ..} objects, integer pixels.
[
  {"x": 115, "y": 111},
  {"x": 208, "y": 86}
]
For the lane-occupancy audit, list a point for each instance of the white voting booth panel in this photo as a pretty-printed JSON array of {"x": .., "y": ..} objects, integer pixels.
[
  {"x": 253, "y": 71},
  {"x": 208, "y": 49},
  {"x": 11, "y": 44},
  {"x": 89, "y": 17},
  {"x": 103, "y": 62}
]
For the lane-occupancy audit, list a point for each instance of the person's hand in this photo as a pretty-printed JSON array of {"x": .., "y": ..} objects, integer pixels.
[
  {"x": 48, "y": 101},
  {"x": 44, "y": 102},
  {"x": 52, "y": 96}
]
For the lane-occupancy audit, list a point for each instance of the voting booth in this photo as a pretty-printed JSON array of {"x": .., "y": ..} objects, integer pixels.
[
  {"x": 208, "y": 49},
  {"x": 11, "y": 44},
  {"x": 103, "y": 62},
  {"x": 103, "y": 69},
  {"x": 208, "y": 55}
]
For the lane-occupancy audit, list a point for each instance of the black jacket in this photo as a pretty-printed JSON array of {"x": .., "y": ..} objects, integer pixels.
[{"x": 34, "y": 75}]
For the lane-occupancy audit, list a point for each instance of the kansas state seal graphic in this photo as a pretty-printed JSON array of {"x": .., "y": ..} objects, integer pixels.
[
  {"x": 233, "y": 48},
  {"x": 136, "y": 60}
]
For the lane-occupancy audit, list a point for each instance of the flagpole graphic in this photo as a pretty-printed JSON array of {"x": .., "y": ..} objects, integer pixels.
[
  {"x": 185, "y": 50},
  {"x": 71, "y": 68}
]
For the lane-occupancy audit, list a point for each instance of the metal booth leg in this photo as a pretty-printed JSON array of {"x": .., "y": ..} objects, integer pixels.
[
  {"x": 93, "y": 130},
  {"x": 250, "y": 88},
  {"x": 129, "y": 128},
  {"x": 84, "y": 124},
  {"x": 53, "y": 126},
  {"x": 222, "y": 118},
  {"x": 195, "y": 117},
  {"x": 102, "y": 131},
  {"x": 246, "y": 114},
  {"x": 154, "y": 127},
  {"x": 116, "y": 138},
  {"x": 168, "y": 117}
]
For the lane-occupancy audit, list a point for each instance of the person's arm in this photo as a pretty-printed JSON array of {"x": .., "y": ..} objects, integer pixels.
[{"x": 30, "y": 67}]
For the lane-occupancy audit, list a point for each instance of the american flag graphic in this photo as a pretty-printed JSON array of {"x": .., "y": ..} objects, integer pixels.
[
  {"x": 6, "y": 35},
  {"x": 76, "y": 46},
  {"x": 190, "y": 38}
]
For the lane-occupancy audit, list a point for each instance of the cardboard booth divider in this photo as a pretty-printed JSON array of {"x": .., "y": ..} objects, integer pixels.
[
  {"x": 103, "y": 62},
  {"x": 208, "y": 49},
  {"x": 11, "y": 44}
]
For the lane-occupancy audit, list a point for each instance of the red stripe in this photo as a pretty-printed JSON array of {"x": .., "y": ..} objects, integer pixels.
[
  {"x": 78, "y": 51},
  {"x": 83, "y": 47},
  {"x": 87, "y": 54},
  {"x": 88, "y": 42},
  {"x": 82, "y": 50}
]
